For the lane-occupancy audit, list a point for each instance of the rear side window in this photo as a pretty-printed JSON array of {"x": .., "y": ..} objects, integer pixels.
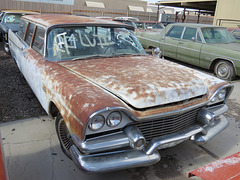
[
  {"x": 175, "y": 32},
  {"x": 22, "y": 29},
  {"x": 29, "y": 34},
  {"x": 38, "y": 42},
  {"x": 189, "y": 33},
  {"x": 1, "y": 16}
]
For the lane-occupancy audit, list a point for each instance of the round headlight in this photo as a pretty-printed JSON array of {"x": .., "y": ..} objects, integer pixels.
[
  {"x": 222, "y": 94},
  {"x": 114, "y": 119},
  {"x": 96, "y": 123}
]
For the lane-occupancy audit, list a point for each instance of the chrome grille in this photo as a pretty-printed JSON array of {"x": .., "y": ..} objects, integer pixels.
[{"x": 167, "y": 125}]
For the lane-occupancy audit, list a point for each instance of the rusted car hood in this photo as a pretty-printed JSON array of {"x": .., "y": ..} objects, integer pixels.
[{"x": 143, "y": 81}]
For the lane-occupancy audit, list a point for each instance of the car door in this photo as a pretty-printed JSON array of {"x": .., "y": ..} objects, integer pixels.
[
  {"x": 17, "y": 44},
  {"x": 189, "y": 46},
  {"x": 34, "y": 62},
  {"x": 171, "y": 41}
]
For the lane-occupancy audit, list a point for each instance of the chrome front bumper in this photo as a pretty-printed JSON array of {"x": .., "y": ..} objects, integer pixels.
[{"x": 113, "y": 160}]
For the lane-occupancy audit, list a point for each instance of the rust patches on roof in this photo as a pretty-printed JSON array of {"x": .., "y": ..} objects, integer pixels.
[
  {"x": 19, "y": 11},
  {"x": 63, "y": 19}
]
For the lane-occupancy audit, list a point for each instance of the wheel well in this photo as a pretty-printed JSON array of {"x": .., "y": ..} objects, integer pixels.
[
  {"x": 215, "y": 62},
  {"x": 53, "y": 110}
]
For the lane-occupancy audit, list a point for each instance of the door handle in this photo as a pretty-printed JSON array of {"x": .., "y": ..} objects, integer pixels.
[
  {"x": 24, "y": 53},
  {"x": 22, "y": 48}
]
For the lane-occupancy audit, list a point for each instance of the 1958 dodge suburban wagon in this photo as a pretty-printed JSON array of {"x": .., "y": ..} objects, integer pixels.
[{"x": 115, "y": 106}]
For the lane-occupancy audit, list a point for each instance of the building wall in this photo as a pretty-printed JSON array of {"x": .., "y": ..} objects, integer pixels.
[
  {"x": 227, "y": 13},
  {"x": 115, "y": 4},
  {"x": 46, "y": 6},
  {"x": 68, "y": 2}
]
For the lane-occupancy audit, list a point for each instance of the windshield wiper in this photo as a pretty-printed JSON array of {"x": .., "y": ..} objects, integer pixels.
[
  {"x": 128, "y": 54},
  {"x": 91, "y": 57}
]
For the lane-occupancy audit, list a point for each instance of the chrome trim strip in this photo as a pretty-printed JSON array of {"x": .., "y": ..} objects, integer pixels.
[
  {"x": 112, "y": 161},
  {"x": 140, "y": 37},
  {"x": 219, "y": 89},
  {"x": 207, "y": 116},
  {"x": 175, "y": 138},
  {"x": 101, "y": 144},
  {"x": 221, "y": 57},
  {"x": 211, "y": 131},
  {"x": 188, "y": 48}
]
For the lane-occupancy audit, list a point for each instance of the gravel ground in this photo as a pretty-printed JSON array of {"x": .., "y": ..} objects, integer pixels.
[{"x": 17, "y": 101}]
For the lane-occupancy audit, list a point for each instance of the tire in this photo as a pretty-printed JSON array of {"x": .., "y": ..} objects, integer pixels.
[
  {"x": 6, "y": 48},
  {"x": 224, "y": 70},
  {"x": 63, "y": 136},
  {"x": 156, "y": 52}
]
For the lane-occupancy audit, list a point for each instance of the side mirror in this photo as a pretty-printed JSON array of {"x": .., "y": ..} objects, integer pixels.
[{"x": 194, "y": 39}]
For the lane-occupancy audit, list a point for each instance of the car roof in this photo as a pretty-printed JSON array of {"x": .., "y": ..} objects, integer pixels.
[
  {"x": 19, "y": 11},
  {"x": 48, "y": 20},
  {"x": 193, "y": 25},
  {"x": 149, "y": 22}
]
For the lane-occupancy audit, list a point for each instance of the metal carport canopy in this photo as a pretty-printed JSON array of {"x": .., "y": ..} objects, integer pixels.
[{"x": 208, "y": 5}]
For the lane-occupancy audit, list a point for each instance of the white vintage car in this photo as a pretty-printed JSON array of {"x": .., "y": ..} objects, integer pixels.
[{"x": 115, "y": 106}]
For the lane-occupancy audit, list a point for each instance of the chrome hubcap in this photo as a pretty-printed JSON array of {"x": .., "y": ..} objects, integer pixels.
[
  {"x": 156, "y": 52},
  {"x": 222, "y": 70},
  {"x": 64, "y": 135}
]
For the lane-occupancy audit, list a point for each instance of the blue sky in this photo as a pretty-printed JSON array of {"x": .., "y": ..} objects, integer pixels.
[{"x": 152, "y": 1}]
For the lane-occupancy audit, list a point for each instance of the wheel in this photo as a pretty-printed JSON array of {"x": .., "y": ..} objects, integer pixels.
[
  {"x": 224, "y": 70},
  {"x": 6, "y": 48},
  {"x": 156, "y": 52},
  {"x": 1, "y": 37},
  {"x": 63, "y": 136}
]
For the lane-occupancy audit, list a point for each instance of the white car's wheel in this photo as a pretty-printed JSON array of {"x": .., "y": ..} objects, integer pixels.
[{"x": 63, "y": 136}]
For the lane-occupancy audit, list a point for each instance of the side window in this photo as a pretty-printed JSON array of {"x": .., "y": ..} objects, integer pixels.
[
  {"x": 189, "y": 33},
  {"x": 175, "y": 32},
  {"x": 38, "y": 42},
  {"x": 22, "y": 29},
  {"x": 29, "y": 33}
]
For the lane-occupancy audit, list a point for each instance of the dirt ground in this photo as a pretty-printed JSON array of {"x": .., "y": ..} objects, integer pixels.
[{"x": 17, "y": 100}]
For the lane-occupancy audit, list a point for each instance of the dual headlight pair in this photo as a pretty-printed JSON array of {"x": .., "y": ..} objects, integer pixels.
[
  {"x": 98, "y": 121},
  {"x": 221, "y": 95}
]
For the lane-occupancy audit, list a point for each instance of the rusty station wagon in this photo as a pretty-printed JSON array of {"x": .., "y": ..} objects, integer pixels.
[{"x": 115, "y": 106}]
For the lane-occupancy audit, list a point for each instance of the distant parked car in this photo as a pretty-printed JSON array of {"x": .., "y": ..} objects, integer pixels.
[
  {"x": 10, "y": 19},
  {"x": 149, "y": 25},
  {"x": 235, "y": 32},
  {"x": 207, "y": 46},
  {"x": 125, "y": 21},
  {"x": 114, "y": 105}
]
